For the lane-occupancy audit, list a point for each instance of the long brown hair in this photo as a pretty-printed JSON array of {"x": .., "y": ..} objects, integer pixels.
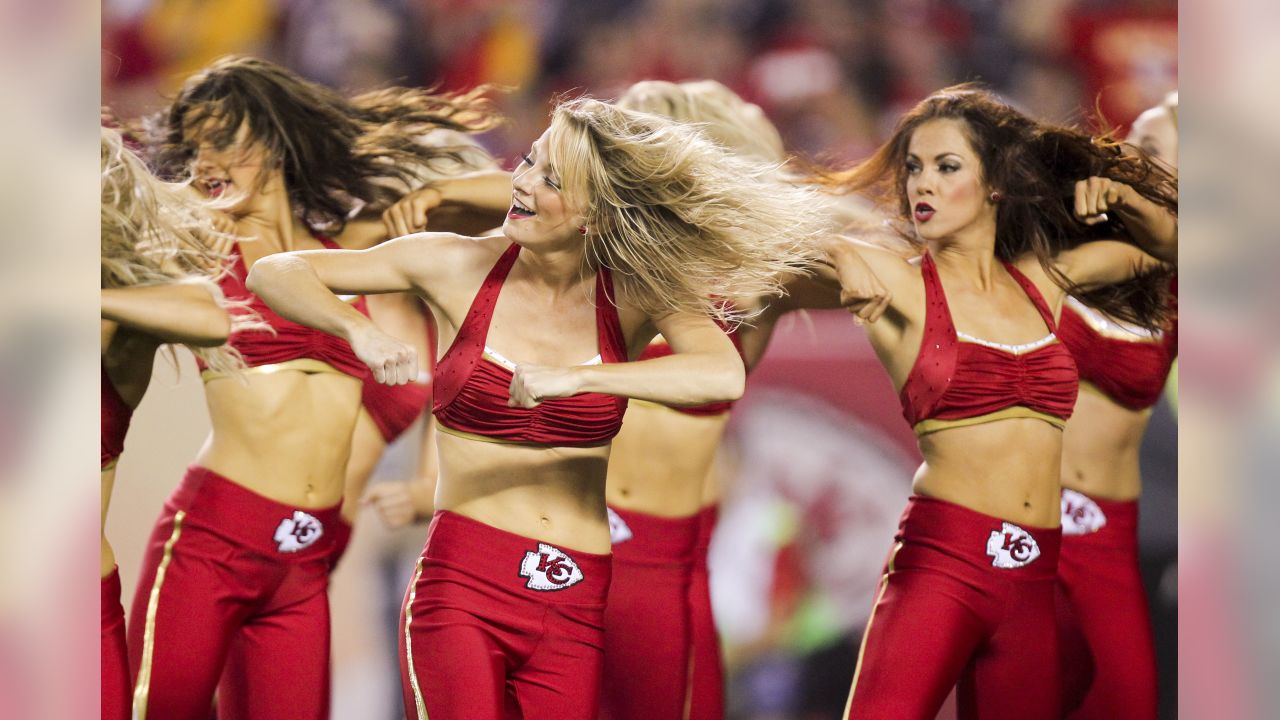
[
  {"x": 331, "y": 148},
  {"x": 1034, "y": 166}
]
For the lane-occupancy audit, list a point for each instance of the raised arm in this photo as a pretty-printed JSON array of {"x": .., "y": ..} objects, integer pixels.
[
  {"x": 1153, "y": 235},
  {"x": 300, "y": 286},
  {"x": 703, "y": 368},
  {"x": 186, "y": 313}
]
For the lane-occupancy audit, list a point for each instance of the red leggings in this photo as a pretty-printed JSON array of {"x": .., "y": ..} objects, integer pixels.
[
  {"x": 225, "y": 565},
  {"x": 497, "y": 626},
  {"x": 706, "y": 682},
  {"x": 646, "y": 650},
  {"x": 1106, "y": 613},
  {"x": 967, "y": 601},
  {"x": 116, "y": 685}
]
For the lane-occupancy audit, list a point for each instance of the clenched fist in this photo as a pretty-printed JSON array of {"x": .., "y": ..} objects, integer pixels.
[
  {"x": 392, "y": 362},
  {"x": 531, "y": 384}
]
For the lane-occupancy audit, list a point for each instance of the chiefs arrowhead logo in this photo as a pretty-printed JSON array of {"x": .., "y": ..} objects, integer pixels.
[
  {"x": 1012, "y": 547},
  {"x": 549, "y": 569},
  {"x": 298, "y": 532},
  {"x": 1080, "y": 514},
  {"x": 619, "y": 532}
]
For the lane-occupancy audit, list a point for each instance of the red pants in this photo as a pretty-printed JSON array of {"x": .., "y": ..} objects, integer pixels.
[
  {"x": 116, "y": 685},
  {"x": 225, "y": 565},
  {"x": 646, "y": 649},
  {"x": 706, "y": 681},
  {"x": 499, "y": 626},
  {"x": 341, "y": 539},
  {"x": 1107, "y": 608},
  {"x": 967, "y": 601}
]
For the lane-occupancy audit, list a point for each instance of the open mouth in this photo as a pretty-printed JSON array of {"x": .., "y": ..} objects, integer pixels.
[
  {"x": 215, "y": 187},
  {"x": 923, "y": 211},
  {"x": 519, "y": 211}
]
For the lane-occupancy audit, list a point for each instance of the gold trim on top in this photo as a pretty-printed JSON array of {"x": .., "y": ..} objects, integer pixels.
[
  {"x": 862, "y": 647},
  {"x": 408, "y": 644},
  {"x": 497, "y": 441},
  {"x": 303, "y": 365},
  {"x": 1113, "y": 329},
  {"x": 142, "y": 689},
  {"x": 111, "y": 464},
  {"x": 924, "y": 427}
]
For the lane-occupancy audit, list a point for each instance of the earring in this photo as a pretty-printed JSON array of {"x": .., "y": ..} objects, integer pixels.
[
  {"x": 582, "y": 229},
  {"x": 996, "y": 196}
]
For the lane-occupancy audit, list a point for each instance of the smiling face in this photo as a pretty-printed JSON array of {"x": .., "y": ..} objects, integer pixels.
[
  {"x": 539, "y": 213},
  {"x": 234, "y": 169},
  {"x": 945, "y": 188}
]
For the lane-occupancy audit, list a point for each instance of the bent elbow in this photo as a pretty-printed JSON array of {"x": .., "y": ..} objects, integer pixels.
[
  {"x": 261, "y": 274},
  {"x": 215, "y": 329},
  {"x": 732, "y": 381}
]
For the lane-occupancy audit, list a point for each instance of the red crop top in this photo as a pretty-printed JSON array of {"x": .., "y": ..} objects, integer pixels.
[
  {"x": 116, "y": 415},
  {"x": 393, "y": 408},
  {"x": 292, "y": 346},
  {"x": 472, "y": 382},
  {"x": 659, "y": 348},
  {"x": 1128, "y": 365},
  {"x": 961, "y": 380}
]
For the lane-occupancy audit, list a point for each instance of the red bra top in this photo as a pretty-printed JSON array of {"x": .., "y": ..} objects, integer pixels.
[
  {"x": 116, "y": 415},
  {"x": 956, "y": 382},
  {"x": 393, "y": 408},
  {"x": 472, "y": 382},
  {"x": 290, "y": 341},
  {"x": 659, "y": 348},
  {"x": 1128, "y": 365}
]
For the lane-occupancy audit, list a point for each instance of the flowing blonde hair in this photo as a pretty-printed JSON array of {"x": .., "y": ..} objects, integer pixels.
[
  {"x": 153, "y": 235},
  {"x": 724, "y": 116},
  {"x": 683, "y": 224}
]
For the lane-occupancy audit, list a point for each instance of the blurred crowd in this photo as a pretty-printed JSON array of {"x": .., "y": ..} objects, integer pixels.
[{"x": 833, "y": 75}]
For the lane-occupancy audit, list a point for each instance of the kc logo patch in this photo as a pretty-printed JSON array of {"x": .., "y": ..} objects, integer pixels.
[
  {"x": 549, "y": 569},
  {"x": 618, "y": 530},
  {"x": 1080, "y": 514},
  {"x": 298, "y": 532},
  {"x": 1012, "y": 547}
]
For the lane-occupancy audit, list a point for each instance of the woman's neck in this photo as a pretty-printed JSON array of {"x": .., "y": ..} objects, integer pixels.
[
  {"x": 271, "y": 218},
  {"x": 970, "y": 257},
  {"x": 557, "y": 271}
]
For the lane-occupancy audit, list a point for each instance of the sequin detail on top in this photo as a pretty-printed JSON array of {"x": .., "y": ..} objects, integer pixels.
[
  {"x": 1127, "y": 365},
  {"x": 963, "y": 382},
  {"x": 471, "y": 391}
]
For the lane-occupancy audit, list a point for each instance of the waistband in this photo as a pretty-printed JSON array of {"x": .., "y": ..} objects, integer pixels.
[
  {"x": 220, "y": 506},
  {"x": 983, "y": 541},
  {"x": 1083, "y": 514},
  {"x": 644, "y": 539},
  {"x": 527, "y": 566}
]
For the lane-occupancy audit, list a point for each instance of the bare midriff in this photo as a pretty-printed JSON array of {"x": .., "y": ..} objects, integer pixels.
[
  {"x": 661, "y": 460},
  {"x": 285, "y": 435},
  {"x": 1007, "y": 469},
  {"x": 1100, "y": 448},
  {"x": 552, "y": 494}
]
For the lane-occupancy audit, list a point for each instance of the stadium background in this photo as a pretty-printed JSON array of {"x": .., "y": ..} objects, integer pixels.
[{"x": 818, "y": 459}]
